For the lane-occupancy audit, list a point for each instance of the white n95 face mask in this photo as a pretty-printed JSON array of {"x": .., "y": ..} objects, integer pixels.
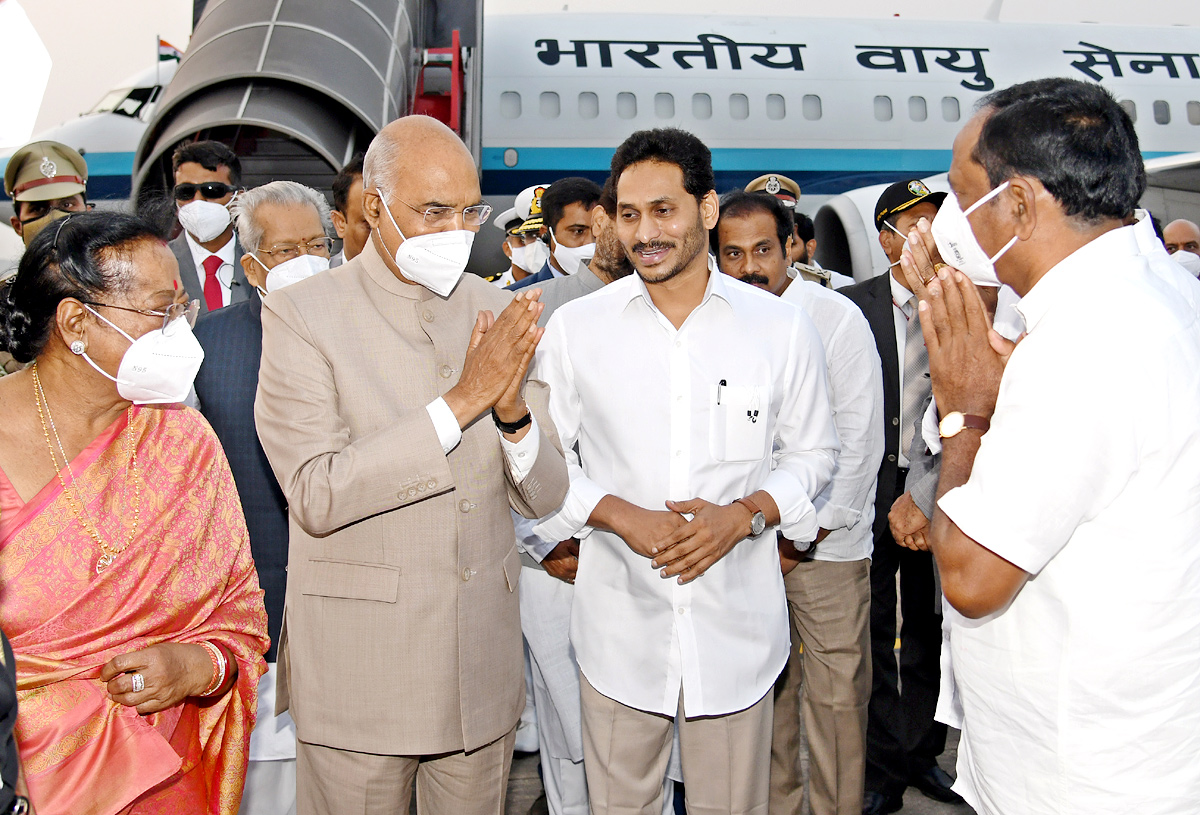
[
  {"x": 159, "y": 366},
  {"x": 957, "y": 244},
  {"x": 204, "y": 220},
  {"x": 573, "y": 258},
  {"x": 531, "y": 258},
  {"x": 437, "y": 260},
  {"x": 292, "y": 271},
  {"x": 1188, "y": 260}
]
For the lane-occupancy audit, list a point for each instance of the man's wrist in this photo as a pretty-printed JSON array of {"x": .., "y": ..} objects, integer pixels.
[
  {"x": 464, "y": 408},
  {"x": 511, "y": 414}
]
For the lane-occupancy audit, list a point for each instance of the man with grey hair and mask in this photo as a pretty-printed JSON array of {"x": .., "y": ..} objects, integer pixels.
[
  {"x": 392, "y": 407},
  {"x": 284, "y": 229}
]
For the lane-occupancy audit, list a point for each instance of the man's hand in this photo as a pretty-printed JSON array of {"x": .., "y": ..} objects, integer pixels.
[
  {"x": 642, "y": 529},
  {"x": 693, "y": 548},
  {"x": 789, "y": 555},
  {"x": 497, "y": 357},
  {"x": 563, "y": 560},
  {"x": 908, "y": 524},
  {"x": 964, "y": 366},
  {"x": 171, "y": 672}
]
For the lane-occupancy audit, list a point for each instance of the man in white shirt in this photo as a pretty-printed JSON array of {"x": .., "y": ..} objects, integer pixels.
[
  {"x": 803, "y": 254},
  {"x": 207, "y": 179},
  {"x": 828, "y": 585},
  {"x": 1076, "y": 581},
  {"x": 679, "y": 609}
]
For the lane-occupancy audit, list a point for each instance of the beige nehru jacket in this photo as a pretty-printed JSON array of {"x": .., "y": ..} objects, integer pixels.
[{"x": 402, "y": 633}]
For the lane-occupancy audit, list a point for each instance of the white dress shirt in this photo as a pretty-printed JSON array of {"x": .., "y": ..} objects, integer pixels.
[
  {"x": 642, "y": 401},
  {"x": 519, "y": 454},
  {"x": 224, "y": 272},
  {"x": 1083, "y": 695},
  {"x": 846, "y": 506}
]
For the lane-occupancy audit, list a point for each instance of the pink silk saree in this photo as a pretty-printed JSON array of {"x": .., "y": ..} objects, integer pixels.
[{"x": 188, "y": 576}]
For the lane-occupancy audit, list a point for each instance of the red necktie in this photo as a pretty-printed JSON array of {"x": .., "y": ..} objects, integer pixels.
[{"x": 212, "y": 284}]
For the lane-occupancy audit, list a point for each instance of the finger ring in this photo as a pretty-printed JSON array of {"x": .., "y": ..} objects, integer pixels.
[
  {"x": 139, "y": 683},
  {"x": 937, "y": 267}
]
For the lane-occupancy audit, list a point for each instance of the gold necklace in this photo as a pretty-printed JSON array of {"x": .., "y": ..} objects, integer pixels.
[{"x": 107, "y": 554}]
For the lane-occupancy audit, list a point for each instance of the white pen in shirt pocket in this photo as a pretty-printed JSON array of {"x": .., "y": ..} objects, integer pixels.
[{"x": 738, "y": 429}]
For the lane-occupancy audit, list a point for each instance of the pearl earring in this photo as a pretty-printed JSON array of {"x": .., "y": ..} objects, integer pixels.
[{"x": 77, "y": 347}]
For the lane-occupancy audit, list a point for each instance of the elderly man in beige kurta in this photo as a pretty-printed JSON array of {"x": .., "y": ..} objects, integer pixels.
[{"x": 395, "y": 420}]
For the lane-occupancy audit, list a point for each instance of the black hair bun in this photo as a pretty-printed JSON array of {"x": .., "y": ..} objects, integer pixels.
[{"x": 16, "y": 327}]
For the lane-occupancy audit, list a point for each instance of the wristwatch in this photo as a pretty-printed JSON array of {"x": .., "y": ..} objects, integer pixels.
[
  {"x": 954, "y": 423},
  {"x": 512, "y": 427},
  {"x": 758, "y": 521}
]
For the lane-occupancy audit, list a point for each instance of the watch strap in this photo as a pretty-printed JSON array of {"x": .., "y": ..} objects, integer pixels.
[
  {"x": 750, "y": 505},
  {"x": 512, "y": 427},
  {"x": 976, "y": 422}
]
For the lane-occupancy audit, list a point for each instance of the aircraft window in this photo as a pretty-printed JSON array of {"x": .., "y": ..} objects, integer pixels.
[
  {"x": 548, "y": 105},
  {"x": 776, "y": 106},
  {"x": 701, "y": 105},
  {"x": 1162, "y": 112},
  {"x": 950, "y": 110},
  {"x": 510, "y": 157},
  {"x": 664, "y": 106},
  {"x": 1194, "y": 113},
  {"x": 812, "y": 107},
  {"x": 510, "y": 105},
  {"x": 918, "y": 111},
  {"x": 739, "y": 106},
  {"x": 125, "y": 101},
  {"x": 626, "y": 105},
  {"x": 589, "y": 105},
  {"x": 883, "y": 108},
  {"x": 1130, "y": 108}
]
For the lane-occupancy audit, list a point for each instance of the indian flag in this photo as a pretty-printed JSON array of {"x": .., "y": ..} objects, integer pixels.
[{"x": 166, "y": 51}]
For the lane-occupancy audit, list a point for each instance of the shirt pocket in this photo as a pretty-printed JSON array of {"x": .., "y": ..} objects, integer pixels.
[{"x": 738, "y": 429}]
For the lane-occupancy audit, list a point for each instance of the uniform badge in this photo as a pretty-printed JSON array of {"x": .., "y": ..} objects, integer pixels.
[
  {"x": 48, "y": 168},
  {"x": 535, "y": 206},
  {"x": 918, "y": 188},
  {"x": 773, "y": 185}
]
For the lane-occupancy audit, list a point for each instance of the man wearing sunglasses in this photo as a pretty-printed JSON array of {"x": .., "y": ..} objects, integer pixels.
[{"x": 207, "y": 179}]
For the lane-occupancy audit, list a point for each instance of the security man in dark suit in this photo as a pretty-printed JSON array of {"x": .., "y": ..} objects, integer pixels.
[
  {"x": 208, "y": 177},
  {"x": 286, "y": 227},
  {"x": 903, "y": 740}
]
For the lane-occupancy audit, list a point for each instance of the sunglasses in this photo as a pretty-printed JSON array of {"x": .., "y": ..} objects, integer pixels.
[{"x": 210, "y": 190}]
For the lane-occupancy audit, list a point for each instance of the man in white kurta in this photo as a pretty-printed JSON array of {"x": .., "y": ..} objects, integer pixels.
[
  {"x": 676, "y": 382},
  {"x": 1066, "y": 535}
]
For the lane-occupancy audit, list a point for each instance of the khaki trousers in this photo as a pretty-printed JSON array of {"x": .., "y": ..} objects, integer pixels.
[
  {"x": 625, "y": 753},
  {"x": 341, "y": 782},
  {"x": 830, "y": 606}
]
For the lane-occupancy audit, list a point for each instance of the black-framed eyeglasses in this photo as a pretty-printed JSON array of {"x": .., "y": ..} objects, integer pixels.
[
  {"x": 188, "y": 311},
  {"x": 287, "y": 251},
  {"x": 475, "y": 215},
  {"x": 209, "y": 190}
]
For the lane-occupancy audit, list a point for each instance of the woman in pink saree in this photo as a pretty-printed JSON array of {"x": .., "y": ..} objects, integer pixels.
[{"x": 127, "y": 586}]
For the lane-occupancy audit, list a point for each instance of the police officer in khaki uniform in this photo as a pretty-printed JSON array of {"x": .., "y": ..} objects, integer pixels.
[{"x": 46, "y": 181}]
